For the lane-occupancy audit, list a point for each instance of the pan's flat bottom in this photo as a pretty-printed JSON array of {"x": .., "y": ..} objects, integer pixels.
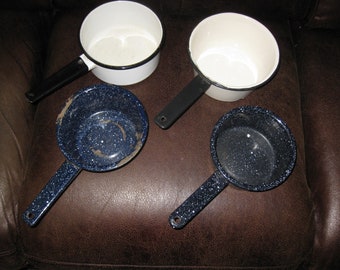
[
  {"x": 106, "y": 138},
  {"x": 246, "y": 155}
]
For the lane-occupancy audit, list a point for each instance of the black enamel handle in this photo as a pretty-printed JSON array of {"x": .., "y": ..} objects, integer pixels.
[
  {"x": 198, "y": 200},
  {"x": 183, "y": 101},
  {"x": 67, "y": 74}
]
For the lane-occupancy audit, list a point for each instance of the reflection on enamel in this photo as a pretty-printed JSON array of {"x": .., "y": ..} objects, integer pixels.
[
  {"x": 123, "y": 46},
  {"x": 228, "y": 66}
]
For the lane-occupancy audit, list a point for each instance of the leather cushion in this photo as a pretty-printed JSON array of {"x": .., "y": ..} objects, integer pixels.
[
  {"x": 20, "y": 54},
  {"x": 120, "y": 218},
  {"x": 318, "y": 54}
]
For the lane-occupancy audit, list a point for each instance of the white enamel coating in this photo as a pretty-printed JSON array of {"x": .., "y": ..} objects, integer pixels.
[
  {"x": 127, "y": 76},
  {"x": 121, "y": 42},
  {"x": 235, "y": 53}
]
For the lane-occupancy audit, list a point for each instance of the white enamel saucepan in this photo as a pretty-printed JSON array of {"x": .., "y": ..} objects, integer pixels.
[
  {"x": 121, "y": 41},
  {"x": 232, "y": 54}
]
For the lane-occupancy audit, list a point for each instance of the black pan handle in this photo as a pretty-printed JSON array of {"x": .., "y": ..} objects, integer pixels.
[
  {"x": 50, "y": 193},
  {"x": 67, "y": 74},
  {"x": 183, "y": 101},
  {"x": 198, "y": 200}
]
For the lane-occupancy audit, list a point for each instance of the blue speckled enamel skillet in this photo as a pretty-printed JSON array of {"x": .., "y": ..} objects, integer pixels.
[
  {"x": 101, "y": 128},
  {"x": 252, "y": 149}
]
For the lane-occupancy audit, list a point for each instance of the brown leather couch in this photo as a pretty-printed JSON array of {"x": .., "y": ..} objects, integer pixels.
[{"x": 119, "y": 219}]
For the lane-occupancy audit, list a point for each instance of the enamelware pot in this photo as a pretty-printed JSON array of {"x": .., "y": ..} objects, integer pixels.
[
  {"x": 232, "y": 54},
  {"x": 100, "y": 128},
  {"x": 121, "y": 42},
  {"x": 252, "y": 148}
]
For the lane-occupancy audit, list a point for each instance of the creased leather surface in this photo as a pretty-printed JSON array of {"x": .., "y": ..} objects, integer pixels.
[
  {"x": 26, "y": 4},
  {"x": 261, "y": 8},
  {"x": 19, "y": 46},
  {"x": 325, "y": 14},
  {"x": 119, "y": 218},
  {"x": 318, "y": 55}
]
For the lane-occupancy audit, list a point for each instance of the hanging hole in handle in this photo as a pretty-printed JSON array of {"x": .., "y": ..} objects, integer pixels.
[
  {"x": 30, "y": 95},
  {"x": 30, "y": 215},
  {"x": 176, "y": 221},
  {"x": 163, "y": 119}
]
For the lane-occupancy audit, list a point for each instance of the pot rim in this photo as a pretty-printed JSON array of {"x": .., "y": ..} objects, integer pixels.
[
  {"x": 130, "y": 66},
  {"x": 232, "y": 88}
]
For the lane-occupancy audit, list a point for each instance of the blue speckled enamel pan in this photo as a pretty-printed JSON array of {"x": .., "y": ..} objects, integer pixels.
[
  {"x": 252, "y": 149},
  {"x": 101, "y": 128}
]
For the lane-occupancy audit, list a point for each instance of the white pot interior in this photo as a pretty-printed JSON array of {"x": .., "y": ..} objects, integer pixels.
[
  {"x": 121, "y": 33},
  {"x": 234, "y": 51}
]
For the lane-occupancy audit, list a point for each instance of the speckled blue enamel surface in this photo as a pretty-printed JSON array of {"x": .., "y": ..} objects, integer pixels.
[
  {"x": 101, "y": 128},
  {"x": 277, "y": 147},
  {"x": 198, "y": 200},
  {"x": 50, "y": 193},
  {"x": 252, "y": 148}
]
